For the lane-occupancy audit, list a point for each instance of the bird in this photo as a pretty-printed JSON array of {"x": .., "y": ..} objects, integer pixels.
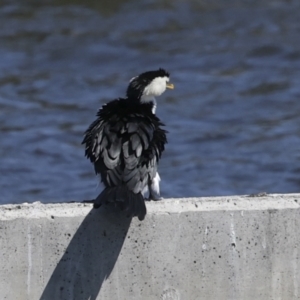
[{"x": 125, "y": 144}]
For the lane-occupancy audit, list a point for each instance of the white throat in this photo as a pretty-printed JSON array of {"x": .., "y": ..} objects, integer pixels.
[
  {"x": 149, "y": 99},
  {"x": 156, "y": 87}
]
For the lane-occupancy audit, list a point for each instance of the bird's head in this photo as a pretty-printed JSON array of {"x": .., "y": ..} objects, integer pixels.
[{"x": 149, "y": 85}]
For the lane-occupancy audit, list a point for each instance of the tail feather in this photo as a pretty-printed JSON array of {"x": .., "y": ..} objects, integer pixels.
[
  {"x": 131, "y": 203},
  {"x": 141, "y": 207}
]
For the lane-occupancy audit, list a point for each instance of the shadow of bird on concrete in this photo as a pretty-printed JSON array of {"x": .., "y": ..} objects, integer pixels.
[{"x": 90, "y": 256}]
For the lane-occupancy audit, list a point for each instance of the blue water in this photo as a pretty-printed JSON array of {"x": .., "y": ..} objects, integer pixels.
[{"x": 233, "y": 118}]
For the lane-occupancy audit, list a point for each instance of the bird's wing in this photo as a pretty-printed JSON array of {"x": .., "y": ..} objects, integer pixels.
[{"x": 125, "y": 151}]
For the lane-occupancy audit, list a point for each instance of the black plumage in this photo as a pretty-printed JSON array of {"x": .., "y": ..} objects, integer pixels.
[{"x": 125, "y": 143}]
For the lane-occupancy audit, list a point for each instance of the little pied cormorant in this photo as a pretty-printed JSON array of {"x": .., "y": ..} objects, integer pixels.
[{"x": 125, "y": 144}]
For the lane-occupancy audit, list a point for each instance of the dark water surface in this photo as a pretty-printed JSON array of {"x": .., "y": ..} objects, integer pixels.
[{"x": 233, "y": 118}]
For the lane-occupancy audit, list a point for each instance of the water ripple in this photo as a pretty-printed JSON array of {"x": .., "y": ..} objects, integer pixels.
[{"x": 232, "y": 119}]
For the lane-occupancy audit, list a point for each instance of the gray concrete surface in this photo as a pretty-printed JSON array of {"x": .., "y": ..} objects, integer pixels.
[{"x": 198, "y": 248}]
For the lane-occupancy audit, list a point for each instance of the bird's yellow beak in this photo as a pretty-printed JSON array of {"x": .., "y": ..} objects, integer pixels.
[{"x": 170, "y": 86}]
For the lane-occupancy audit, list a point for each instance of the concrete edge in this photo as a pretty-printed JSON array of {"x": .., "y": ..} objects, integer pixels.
[{"x": 166, "y": 206}]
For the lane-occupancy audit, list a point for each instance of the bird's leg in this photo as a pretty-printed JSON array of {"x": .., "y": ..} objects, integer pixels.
[{"x": 154, "y": 193}]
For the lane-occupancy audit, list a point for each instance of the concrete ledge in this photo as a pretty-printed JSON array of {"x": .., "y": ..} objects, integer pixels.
[{"x": 235, "y": 247}]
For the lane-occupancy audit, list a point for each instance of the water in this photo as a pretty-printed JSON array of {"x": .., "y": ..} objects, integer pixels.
[{"x": 233, "y": 118}]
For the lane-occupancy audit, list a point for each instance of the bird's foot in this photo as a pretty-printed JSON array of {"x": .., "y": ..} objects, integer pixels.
[
  {"x": 261, "y": 194},
  {"x": 88, "y": 201},
  {"x": 155, "y": 197}
]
